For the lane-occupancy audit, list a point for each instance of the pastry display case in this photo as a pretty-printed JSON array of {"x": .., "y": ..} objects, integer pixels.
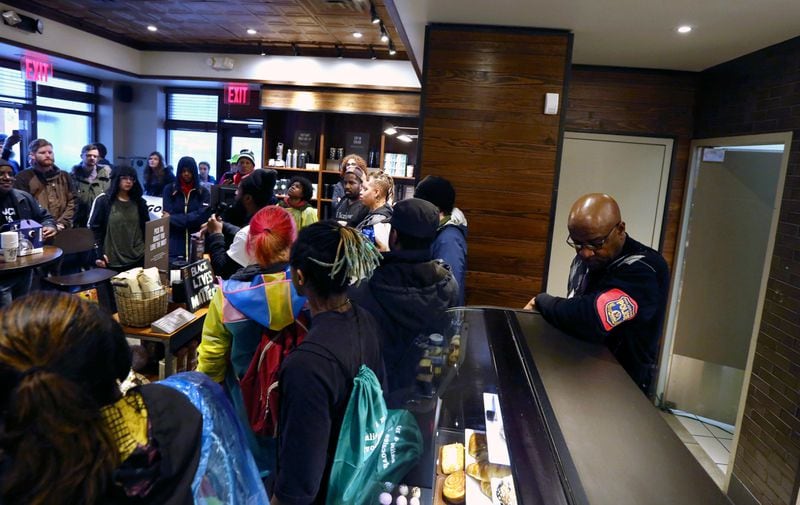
[{"x": 517, "y": 412}]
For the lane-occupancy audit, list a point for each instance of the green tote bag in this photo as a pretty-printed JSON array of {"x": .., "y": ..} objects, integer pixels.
[{"x": 376, "y": 445}]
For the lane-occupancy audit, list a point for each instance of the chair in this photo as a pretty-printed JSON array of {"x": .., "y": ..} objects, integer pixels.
[{"x": 76, "y": 271}]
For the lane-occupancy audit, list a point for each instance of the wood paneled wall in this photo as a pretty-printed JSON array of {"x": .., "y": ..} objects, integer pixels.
[
  {"x": 327, "y": 100},
  {"x": 483, "y": 128},
  {"x": 644, "y": 103}
]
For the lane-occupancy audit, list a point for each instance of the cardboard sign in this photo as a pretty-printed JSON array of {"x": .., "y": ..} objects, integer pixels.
[
  {"x": 198, "y": 282},
  {"x": 357, "y": 143},
  {"x": 305, "y": 141},
  {"x": 156, "y": 246}
]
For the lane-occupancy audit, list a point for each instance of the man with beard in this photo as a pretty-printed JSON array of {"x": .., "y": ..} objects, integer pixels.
[
  {"x": 14, "y": 206},
  {"x": 90, "y": 179},
  {"x": 617, "y": 290},
  {"x": 51, "y": 187}
]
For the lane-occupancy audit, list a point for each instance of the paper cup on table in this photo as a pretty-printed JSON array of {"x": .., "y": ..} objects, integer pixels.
[{"x": 9, "y": 243}]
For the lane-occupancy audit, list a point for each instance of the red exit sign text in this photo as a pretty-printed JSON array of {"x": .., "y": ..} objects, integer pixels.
[
  {"x": 237, "y": 94},
  {"x": 36, "y": 70}
]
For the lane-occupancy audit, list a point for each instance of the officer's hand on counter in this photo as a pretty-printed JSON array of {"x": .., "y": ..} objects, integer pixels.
[{"x": 531, "y": 304}]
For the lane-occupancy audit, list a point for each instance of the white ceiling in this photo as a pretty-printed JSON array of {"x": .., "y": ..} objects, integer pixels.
[{"x": 626, "y": 33}]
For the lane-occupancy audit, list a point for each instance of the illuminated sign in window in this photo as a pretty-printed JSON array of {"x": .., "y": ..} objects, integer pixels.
[
  {"x": 35, "y": 69},
  {"x": 237, "y": 94}
]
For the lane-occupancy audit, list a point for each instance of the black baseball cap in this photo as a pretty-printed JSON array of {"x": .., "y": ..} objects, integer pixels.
[{"x": 416, "y": 218}]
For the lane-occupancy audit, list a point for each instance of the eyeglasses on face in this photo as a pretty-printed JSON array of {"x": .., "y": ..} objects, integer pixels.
[
  {"x": 128, "y": 178},
  {"x": 7, "y": 175},
  {"x": 592, "y": 245}
]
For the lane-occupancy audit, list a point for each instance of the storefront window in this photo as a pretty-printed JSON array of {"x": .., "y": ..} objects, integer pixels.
[
  {"x": 202, "y": 146},
  {"x": 67, "y": 132},
  {"x": 192, "y": 126}
]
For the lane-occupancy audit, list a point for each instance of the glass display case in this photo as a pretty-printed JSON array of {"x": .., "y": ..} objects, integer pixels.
[{"x": 533, "y": 416}]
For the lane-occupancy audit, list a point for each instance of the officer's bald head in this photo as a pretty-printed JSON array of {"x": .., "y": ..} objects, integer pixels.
[{"x": 595, "y": 219}]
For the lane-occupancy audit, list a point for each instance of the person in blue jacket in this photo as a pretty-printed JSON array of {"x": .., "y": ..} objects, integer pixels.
[
  {"x": 450, "y": 244},
  {"x": 185, "y": 202}
]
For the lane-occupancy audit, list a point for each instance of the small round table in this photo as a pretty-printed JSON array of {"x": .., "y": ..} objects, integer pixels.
[{"x": 50, "y": 254}]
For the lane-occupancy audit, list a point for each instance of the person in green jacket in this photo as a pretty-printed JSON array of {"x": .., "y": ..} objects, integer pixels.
[{"x": 90, "y": 180}]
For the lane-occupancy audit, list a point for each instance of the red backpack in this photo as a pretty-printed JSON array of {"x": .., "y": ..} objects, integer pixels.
[{"x": 259, "y": 385}]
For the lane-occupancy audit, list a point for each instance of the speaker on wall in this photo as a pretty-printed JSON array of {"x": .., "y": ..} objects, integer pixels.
[{"x": 123, "y": 93}]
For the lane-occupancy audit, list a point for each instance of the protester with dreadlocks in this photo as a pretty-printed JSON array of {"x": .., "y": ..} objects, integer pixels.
[{"x": 317, "y": 378}]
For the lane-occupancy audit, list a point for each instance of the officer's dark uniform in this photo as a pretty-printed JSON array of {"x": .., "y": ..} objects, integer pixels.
[{"x": 621, "y": 305}]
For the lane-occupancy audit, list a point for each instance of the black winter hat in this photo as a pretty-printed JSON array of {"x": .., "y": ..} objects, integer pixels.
[
  {"x": 416, "y": 218},
  {"x": 260, "y": 184},
  {"x": 438, "y": 191}
]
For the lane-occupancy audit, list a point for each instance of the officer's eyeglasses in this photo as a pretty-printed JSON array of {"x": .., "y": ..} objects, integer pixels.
[{"x": 594, "y": 245}]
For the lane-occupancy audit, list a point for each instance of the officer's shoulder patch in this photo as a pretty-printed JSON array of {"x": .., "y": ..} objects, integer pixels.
[{"x": 615, "y": 307}]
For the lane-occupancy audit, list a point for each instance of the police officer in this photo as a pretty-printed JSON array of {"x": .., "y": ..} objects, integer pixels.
[{"x": 617, "y": 290}]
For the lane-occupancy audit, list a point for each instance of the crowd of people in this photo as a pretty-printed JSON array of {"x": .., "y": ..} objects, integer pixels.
[
  {"x": 282, "y": 269},
  {"x": 316, "y": 299}
]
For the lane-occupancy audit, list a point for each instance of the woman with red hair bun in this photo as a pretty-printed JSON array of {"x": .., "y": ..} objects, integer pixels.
[{"x": 257, "y": 301}]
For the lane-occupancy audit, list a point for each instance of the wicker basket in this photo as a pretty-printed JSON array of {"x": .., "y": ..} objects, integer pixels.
[{"x": 140, "y": 309}]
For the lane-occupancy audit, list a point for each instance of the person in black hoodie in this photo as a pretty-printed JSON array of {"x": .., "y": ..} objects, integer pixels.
[
  {"x": 185, "y": 202},
  {"x": 226, "y": 241},
  {"x": 409, "y": 292},
  {"x": 117, "y": 220}
]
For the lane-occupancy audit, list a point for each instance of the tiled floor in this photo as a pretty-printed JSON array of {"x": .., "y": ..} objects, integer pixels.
[{"x": 713, "y": 437}]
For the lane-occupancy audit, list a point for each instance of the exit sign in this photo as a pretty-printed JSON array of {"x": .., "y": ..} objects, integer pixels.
[
  {"x": 237, "y": 94},
  {"x": 35, "y": 69}
]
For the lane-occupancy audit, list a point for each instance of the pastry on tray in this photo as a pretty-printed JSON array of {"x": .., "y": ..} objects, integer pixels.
[
  {"x": 452, "y": 458},
  {"x": 485, "y": 471},
  {"x": 455, "y": 487},
  {"x": 477, "y": 446}
]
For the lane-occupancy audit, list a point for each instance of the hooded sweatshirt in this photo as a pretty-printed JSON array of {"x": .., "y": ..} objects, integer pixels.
[
  {"x": 408, "y": 296},
  {"x": 187, "y": 212}
]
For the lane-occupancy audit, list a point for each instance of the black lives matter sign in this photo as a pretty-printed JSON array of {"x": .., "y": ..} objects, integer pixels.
[{"x": 198, "y": 281}]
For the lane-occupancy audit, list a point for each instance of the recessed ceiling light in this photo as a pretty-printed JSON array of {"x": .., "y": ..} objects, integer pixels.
[
  {"x": 152, "y": 28},
  {"x": 251, "y": 31},
  {"x": 684, "y": 29},
  {"x": 358, "y": 35}
]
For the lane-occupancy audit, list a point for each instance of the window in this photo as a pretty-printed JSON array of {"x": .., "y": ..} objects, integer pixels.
[
  {"x": 202, "y": 146},
  {"x": 62, "y": 110},
  {"x": 67, "y": 132},
  {"x": 192, "y": 125}
]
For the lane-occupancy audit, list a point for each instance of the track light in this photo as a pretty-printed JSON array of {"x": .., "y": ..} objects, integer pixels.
[
  {"x": 338, "y": 51},
  {"x": 384, "y": 35},
  {"x": 392, "y": 50},
  {"x": 295, "y": 50},
  {"x": 390, "y": 131},
  {"x": 374, "y": 14},
  {"x": 372, "y": 54},
  {"x": 261, "y": 49},
  {"x": 404, "y": 138}
]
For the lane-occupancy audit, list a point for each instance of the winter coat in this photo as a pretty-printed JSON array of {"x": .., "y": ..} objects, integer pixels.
[
  {"x": 54, "y": 191},
  {"x": 86, "y": 191},
  {"x": 186, "y": 214},
  {"x": 408, "y": 295}
]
